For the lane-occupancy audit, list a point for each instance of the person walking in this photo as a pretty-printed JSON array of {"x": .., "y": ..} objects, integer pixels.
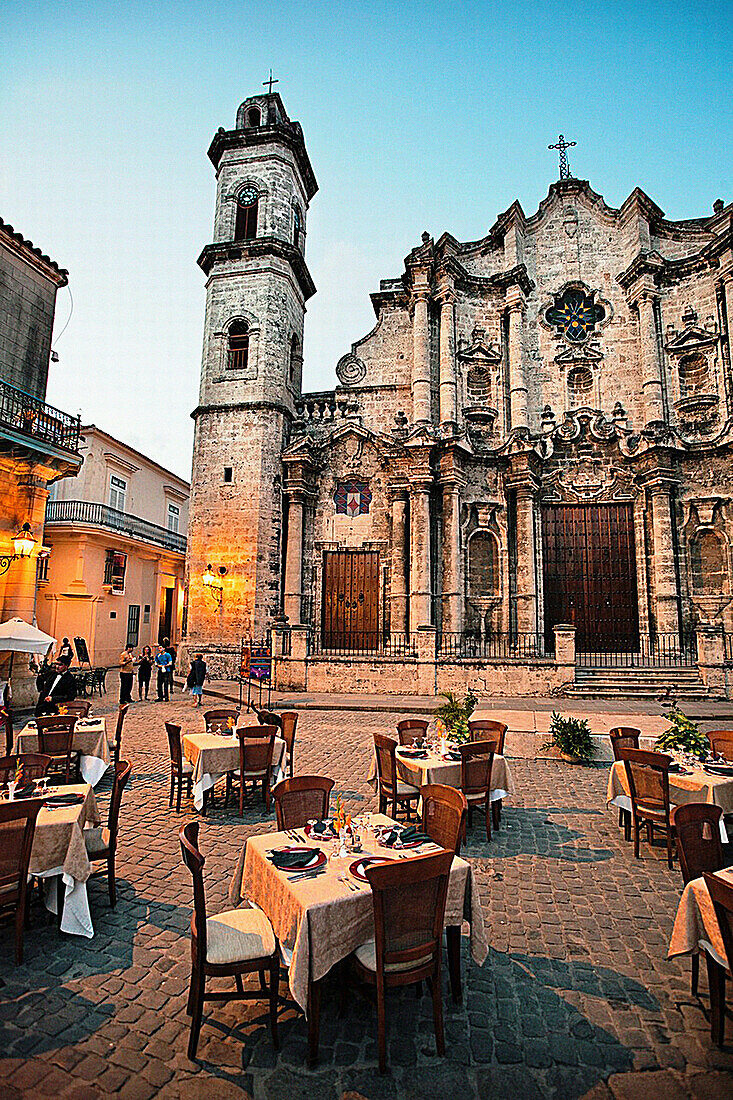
[
  {"x": 170, "y": 649},
  {"x": 163, "y": 664},
  {"x": 196, "y": 678},
  {"x": 144, "y": 670},
  {"x": 66, "y": 653},
  {"x": 127, "y": 664}
]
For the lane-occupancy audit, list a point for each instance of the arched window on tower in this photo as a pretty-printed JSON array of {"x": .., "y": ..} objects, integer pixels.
[
  {"x": 297, "y": 227},
  {"x": 483, "y": 565},
  {"x": 245, "y": 226},
  {"x": 580, "y": 387},
  {"x": 293, "y": 371},
  {"x": 694, "y": 375},
  {"x": 254, "y": 118},
  {"x": 238, "y": 348}
]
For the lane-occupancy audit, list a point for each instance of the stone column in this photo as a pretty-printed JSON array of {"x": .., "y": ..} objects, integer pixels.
[
  {"x": 728, "y": 305},
  {"x": 420, "y": 554},
  {"x": 663, "y": 565},
  {"x": 526, "y": 579},
  {"x": 517, "y": 379},
  {"x": 421, "y": 403},
  {"x": 452, "y": 561},
  {"x": 19, "y": 598},
  {"x": 651, "y": 373},
  {"x": 565, "y": 652},
  {"x": 293, "y": 587},
  {"x": 398, "y": 578},
  {"x": 448, "y": 385},
  {"x": 711, "y": 658}
]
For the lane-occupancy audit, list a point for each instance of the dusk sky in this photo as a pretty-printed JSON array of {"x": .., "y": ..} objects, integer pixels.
[{"x": 420, "y": 115}]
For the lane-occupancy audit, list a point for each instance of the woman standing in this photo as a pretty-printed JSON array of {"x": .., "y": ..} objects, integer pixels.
[
  {"x": 127, "y": 663},
  {"x": 144, "y": 670},
  {"x": 196, "y": 677},
  {"x": 66, "y": 653}
]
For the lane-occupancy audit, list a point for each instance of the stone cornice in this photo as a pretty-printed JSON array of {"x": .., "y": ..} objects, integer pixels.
[
  {"x": 289, "y": 134},
  {"x": 27, "y": 251},
  {"x": 231, "y": 251}
]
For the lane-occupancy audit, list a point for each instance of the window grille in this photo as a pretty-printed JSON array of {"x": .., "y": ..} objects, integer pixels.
[
  {"x": 115, "y": 567},
  {"x": 238, "y": 353},
  {"x": 133, "y": 624}
]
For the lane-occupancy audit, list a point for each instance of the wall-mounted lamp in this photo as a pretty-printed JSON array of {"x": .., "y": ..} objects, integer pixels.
[
  {"x": 212, "y": 581},
  {"x": 23, "y": 543}
]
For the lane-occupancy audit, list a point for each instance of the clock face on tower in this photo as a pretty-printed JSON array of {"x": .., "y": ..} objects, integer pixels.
[
  {"x": 247, "y": 196},
  {"x": 575, "y": 315}
]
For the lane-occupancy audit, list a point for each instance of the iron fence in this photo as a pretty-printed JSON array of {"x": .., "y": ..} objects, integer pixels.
[
  {"x": 100, "y": 515},
  {"x": 646, "y": 651},
  {"x": 33, "y": 417},
  {"x": 358, "y": 644},
  {"x": 512, "y": 645}
]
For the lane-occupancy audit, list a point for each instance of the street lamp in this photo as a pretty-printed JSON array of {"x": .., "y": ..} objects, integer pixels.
[
  {"x": 213, "y": 582},
  {"x": 23, "y": 543}
]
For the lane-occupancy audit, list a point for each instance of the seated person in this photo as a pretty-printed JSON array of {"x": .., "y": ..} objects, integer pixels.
[{"x": 55, "y": 685}]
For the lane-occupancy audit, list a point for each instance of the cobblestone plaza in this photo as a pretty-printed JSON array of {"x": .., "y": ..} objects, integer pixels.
[{"x": 576, "y": 997}]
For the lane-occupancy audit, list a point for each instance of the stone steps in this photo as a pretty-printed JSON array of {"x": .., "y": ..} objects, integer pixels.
[{"x": 638, "y": 682}]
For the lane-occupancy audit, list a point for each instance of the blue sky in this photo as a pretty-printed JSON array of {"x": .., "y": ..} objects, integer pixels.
[{"x": 422, "y": 115}]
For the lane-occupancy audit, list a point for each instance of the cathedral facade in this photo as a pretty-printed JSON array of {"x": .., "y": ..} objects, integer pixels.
[{"x": 536, "y": 432}]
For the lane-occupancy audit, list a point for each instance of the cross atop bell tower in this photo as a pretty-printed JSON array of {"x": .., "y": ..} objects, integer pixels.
[{"x": 563, "y": 145}]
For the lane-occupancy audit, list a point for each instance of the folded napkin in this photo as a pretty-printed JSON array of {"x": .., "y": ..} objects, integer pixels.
[
  {"x": 26, "y": 791},
  {"x": 415, "y": 754},
  {"x": 323, "y": 829},
  {"x": 719, "y": 769},
  {"x": 71, "y": 799},
  {"x": 408, "y": 835},
  {"x": 289, "y": 861},
  {"x": 31, "y": 725},
  {"x": 452, "y": 756}
]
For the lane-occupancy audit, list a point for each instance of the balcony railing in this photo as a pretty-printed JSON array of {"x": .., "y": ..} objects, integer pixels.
[
  {"x": 32, "y": 417},
  {"x": 643, "y": 651},
  {"x": 100, "y": 515}
]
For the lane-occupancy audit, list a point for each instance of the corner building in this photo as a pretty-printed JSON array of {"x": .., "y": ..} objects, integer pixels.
[{"x": 537, "y": 430}]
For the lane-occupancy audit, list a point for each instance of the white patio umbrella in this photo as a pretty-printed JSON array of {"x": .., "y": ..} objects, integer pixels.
[{"x": 18, "y": 636}]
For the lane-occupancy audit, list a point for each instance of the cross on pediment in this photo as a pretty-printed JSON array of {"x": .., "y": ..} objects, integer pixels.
[
  {"x": 269, "y": 82},
  {"x": 563, "y": 145}
]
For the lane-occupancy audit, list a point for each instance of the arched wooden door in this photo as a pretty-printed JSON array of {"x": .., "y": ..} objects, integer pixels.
[{"x": 350, "y": 616}]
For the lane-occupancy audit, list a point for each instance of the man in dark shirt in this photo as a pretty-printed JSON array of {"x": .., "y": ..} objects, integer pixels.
[
  {"x": 171, "y": 671},
  {"x": 55, "y": 685}
]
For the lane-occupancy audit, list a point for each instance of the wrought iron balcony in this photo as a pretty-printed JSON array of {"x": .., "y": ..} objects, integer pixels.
[
  {"x": 31, "y": 417},
  {"x": 60, "y": 512}
]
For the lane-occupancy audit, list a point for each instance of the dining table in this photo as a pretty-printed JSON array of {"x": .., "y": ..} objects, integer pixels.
[
  {"x": 696, "y": 925},
  {"x": 59, "y": 852},
  {"x": 321, "y": 920},
  {"x": 89, "y": 740},
  {"x": 698, "y": 784},
  {"x": 212, "y": 755},
  {"x": 433, "y": 766}
]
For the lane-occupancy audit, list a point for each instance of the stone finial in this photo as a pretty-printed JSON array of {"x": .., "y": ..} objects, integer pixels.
[
  {"x": 718, "y": 206},
  {"x": 425, "y": 237}
]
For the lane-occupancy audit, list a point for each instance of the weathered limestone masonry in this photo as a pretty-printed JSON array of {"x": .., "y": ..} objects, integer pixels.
[{"x": 536, "y": 432}]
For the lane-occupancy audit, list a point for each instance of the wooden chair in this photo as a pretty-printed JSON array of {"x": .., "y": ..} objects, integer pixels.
[
  {"x": 298, "y": 801},
  {"x": 79, "y": 707},
  {"x": 477, "y": 759},
  {"x": 648, "y": 778},
  {"x": 35, "y": 766},
  {"x": 230, "y": 944},
  {"x": 624, "y": 737},
  {"x": 444, "y": 812},
  {"x": 721, "y": 742},
  {"x": 289, "y": 722},
  {"x": 721, "y": 893},
  {"x": 409, "y": 912},
  {"x": 412, "y": 729},
  {"x": 697, "y": 831},
  {"x": 391, "y": 788},
  {"x": 55, "y": 738},
  {"x": 255, "y": 761},
  {"x": 101, "y": 843},
  {"x": 181, "y": 770},
  {"x": 217, "y": 721},
  {"x": 17, "y": 827},
  {"x": 117, "y": 744},
  {"x": 488, "y": 730}
]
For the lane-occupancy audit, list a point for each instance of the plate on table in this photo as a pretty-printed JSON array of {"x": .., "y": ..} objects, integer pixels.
[
  {"x": 320, "y": 834},
  {"x": 71, "y": 799},
  {"x": 678, "y": 769},
  {"x": 413, "y": 754},
  {"x": 318, "y": 858},
  {"x": 358, "y": 866},
  {"x": 414, "y": 840},
  {"x": 720, "y": 769}
]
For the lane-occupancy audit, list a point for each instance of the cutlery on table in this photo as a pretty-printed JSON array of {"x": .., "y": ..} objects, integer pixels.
[{"x": 307, "y": 874}]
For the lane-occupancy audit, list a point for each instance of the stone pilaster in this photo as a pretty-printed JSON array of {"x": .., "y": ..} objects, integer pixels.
[
  {"x": 398, "y": 578},
  {"x": 293, "y": 587},
  {"x": 659, "y": 490},
  {"x": 420, "y": 592},
  {"x": 517, "y": 379},
  {"x": 525, "y": 482},
  {"x": 651, "y": 368},
  {"x": 452, "y": 560},
  {"x": 448, "y": 384},
  {"x": 421, "y": 396}
]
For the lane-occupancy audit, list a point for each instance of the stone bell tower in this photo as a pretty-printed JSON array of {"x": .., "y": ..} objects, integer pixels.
[{"x": 256, "y": 293}]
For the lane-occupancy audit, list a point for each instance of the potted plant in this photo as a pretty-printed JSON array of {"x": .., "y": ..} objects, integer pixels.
[
  {"x": 683, "y": 736},
  {"x": 571, "y": 739},
  {"x": 454, "y": 716}
]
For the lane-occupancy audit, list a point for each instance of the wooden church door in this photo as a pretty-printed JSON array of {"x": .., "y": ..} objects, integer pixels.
[
  {"x": 350, "y": 615},
  {"x": 589, "y": 574}
]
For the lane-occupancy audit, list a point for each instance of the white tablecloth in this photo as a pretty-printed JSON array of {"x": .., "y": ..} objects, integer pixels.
[
  {"x": 203, "y": 748},
  {"x": 90, "y": 741}
]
